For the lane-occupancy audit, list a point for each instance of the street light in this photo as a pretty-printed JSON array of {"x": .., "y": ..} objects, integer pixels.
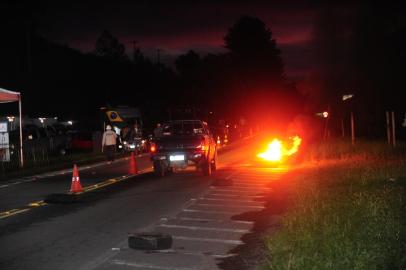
[
  {"x": 42, "y": 120},
  {"x": 11, "y": 121}
]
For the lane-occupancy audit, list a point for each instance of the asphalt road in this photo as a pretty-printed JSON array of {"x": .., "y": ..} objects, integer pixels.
[{"x": 93, "y": 232}]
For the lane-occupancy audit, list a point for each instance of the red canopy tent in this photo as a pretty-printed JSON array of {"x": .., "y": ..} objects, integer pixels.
[{"x": 10, "y": 96}]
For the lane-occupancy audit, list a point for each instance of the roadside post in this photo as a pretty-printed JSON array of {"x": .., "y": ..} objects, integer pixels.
[
  {"x": 393, "y": 130},
  {"x": 352, "y": 129},
  {"x": 388, "y": 132}
]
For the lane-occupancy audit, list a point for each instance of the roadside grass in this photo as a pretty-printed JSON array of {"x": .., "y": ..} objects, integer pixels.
[{"x": 346, "y": 210}]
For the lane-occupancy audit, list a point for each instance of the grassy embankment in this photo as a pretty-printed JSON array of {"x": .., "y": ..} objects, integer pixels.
[{"x": 346, "y": 210}]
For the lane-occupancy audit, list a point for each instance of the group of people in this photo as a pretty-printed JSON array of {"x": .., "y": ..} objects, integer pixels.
[{"x": 110, "y": 137}]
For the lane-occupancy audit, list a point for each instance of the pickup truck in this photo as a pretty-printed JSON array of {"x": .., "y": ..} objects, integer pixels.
[{"x": 184, "y": 143}]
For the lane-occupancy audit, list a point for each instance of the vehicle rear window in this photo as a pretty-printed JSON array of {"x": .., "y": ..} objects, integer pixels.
[{"x": 183, "y": 128}]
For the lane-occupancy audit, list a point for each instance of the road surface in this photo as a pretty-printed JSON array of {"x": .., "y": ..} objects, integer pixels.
[{"x": 93, "y": 233}]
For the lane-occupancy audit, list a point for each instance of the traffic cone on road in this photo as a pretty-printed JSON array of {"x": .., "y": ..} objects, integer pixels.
[
  {"x": 75, "y": 186},
  {"x": 133, "y": 164}
]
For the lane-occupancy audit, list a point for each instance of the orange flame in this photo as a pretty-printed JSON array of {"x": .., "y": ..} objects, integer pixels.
[{"x": 276, "y": 150}]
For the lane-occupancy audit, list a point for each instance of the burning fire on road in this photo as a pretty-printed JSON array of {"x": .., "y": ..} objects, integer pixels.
[{"x": 278, "y": 150}]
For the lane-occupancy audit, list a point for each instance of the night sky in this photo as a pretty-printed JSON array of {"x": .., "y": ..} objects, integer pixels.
[{"x": 176, "y": 27}]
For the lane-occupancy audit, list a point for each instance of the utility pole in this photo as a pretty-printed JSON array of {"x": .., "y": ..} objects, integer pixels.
[
  {"x": 391, "y": 128},
  {"x": 388, "y": 131}
]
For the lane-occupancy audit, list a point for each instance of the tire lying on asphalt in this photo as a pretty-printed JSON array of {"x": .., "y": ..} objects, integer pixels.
[{"x": 150, "y": 241}]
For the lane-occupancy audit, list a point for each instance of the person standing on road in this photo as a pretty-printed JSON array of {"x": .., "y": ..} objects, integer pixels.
[
  {"x": 158, "y": 131},
  {"x": 109, "y": 143}
]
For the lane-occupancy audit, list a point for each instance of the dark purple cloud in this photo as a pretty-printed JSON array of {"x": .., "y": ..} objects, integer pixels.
[{"x": 177, "y": 27}]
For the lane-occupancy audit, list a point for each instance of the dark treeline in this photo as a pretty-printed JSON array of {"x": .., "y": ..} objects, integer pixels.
[
  {"x": 361, "y": 51},
  {"x": 247, "y": 82},
  {"x": 358, "y": 50}
]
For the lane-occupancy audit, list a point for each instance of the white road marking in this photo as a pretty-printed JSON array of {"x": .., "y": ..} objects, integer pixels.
[
  {"x": 218, "y": 256},
  {"x": 249, "y": 184},
  {"x": 199, "y": 228},
  {"x": 230, "y": 206},
  {"x": 233, "y": 195},
  {"x": 214, "y": 220},
  {"x": 224, "y": 241},
  {"x": 228, "y": 200},
  {"x": 209, "y": 212},
  {"x": 147, "y": 266},
  {"x": 236, "y": 189}
]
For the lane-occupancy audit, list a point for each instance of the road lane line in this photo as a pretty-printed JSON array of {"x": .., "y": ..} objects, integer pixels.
[
  {"x": 209, "y": 212},
  {"x": 199, "y": 228},
  {"x": 233, "y": 195},
  {"x": 237, "y": 189},
  {"x": 32, "y": 205},
  {"x": 230, "y": 206},
  {"x": 37, "y": 204},
  {"x": 12, "y": 212},
  {"x": 180, "y": 251},
  {"x": 228, "y": 200},
  {"x": 214, "y": 220},
  {"x": 211, "y": 240},
  {"x": 248, "y": 185},
  {"x": 147, "y": 266}
]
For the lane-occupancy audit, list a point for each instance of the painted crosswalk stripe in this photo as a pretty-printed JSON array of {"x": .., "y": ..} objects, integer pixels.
[
  {"x": 199, "y": 228},
  {"x": 224, "y": 241}
]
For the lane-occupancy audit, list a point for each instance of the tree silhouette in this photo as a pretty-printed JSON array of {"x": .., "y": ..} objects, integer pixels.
[
  {"x": 255, "y": 71},
  {"x": 250, "y": 43},
  {"x": 109, "y": 46},
  {"x": 188, "y": 63}
]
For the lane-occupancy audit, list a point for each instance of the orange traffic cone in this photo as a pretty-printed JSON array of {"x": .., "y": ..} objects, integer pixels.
[
  {"x": 133, "y": 164},
  {"x": 75, "y": 186}
]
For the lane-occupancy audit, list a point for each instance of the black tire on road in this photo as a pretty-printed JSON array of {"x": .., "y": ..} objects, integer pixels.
[
  {"x": 159, "y": 168},
  {"x": 150, "y": 241}
]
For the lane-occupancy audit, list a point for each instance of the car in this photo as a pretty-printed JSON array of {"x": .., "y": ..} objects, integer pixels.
[
  {"x": 46, "y": 139},
  {"x": 81, "y": 140},
  {"x": 184, "y": 143}
]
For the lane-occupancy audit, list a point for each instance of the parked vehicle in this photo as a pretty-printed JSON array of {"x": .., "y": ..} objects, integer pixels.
[
  {"x": 81, "y": 140},
  {"x": 184, "y": 143},
  {"x": 47, "y": 138}
]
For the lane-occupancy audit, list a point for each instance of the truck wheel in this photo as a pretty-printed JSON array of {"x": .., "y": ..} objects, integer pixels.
[{"x": 159, "y": 169}]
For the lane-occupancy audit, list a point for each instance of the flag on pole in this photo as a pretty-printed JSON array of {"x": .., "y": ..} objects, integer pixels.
[{"x": 114, "y": 117}]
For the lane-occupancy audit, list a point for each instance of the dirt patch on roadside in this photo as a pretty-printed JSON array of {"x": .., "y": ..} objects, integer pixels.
[{"x": 253, "y": 252}]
